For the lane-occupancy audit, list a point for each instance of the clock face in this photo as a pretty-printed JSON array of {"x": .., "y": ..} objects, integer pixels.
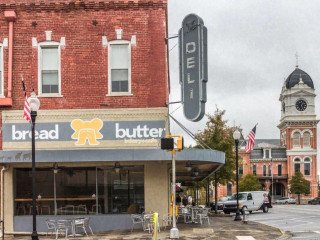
[{"x": 301, "y": 105}]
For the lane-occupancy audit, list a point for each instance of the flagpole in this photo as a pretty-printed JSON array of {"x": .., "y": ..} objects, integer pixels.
[{"x": 271, "y": 183}]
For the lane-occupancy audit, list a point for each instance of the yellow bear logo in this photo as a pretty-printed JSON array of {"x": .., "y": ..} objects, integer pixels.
[{"x": 87, "y": 130}]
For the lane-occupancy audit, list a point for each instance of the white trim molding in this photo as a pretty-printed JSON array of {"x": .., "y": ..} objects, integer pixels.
[
  {"x": 310, "y": 152},
  {"x": 119, "y": 42},
  {"x": 48, "y": 44}
]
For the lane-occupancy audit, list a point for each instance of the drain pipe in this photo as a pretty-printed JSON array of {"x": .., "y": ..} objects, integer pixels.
[
  {"x": 11, "y": 16},
  {"x": 4, "y": 168}
]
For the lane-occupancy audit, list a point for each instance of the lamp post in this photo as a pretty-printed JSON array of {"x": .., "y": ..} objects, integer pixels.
[
  {"x": 236, "y": 137},
  {"x": 34, "y": 106}
]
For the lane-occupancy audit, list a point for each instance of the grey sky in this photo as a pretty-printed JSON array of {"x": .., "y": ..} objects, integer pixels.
[{"x": 251, "y": 49}]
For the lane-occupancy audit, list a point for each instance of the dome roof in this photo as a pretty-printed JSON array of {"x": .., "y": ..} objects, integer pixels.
[{"x": 294, "y": 78}]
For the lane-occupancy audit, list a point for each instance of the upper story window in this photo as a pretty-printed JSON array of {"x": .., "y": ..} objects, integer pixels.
[
  {"x": 254, "y": 170},
  {"x": 49, "y": 68},
  {"x": 269, "y": 170},
  {"x": 307, "y": 167},
  {"x": 1, "y": 71},
  {"x": 296, "y": 139},
  {"x": 306, "y": 139},
  {"x": 297, "y": 165},
  {"x": 241, "y": 169},
  {"x": 279, "y": 170},
  {"x": 264, "y": 170},
  {"x": 267, "y": 153},
  {"x": 119, "y": 69}
]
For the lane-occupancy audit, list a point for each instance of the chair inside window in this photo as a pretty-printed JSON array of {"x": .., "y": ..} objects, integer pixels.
[
  {"x": 136, "y": 219},
  {"x": 82, "y": 209},
  {"x": 45, "y": 209}
]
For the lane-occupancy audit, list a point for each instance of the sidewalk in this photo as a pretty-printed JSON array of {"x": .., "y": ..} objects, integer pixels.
[{"x": 221, "y": 228}]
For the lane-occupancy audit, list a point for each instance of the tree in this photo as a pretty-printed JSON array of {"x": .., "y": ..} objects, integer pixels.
[
  {"x": 249, "y": 183},
  {"x": 218, "y": 136},
  {"x": 299, "y": 185}
]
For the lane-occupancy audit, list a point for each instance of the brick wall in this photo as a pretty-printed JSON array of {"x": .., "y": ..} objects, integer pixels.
[{"x": 84, "y": 60}]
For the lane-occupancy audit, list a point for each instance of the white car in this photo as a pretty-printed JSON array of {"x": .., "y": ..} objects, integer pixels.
[{"x": 286, "y": 200}]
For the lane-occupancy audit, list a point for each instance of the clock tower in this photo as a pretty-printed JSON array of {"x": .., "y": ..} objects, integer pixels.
[{"x": 298, "y": 127}]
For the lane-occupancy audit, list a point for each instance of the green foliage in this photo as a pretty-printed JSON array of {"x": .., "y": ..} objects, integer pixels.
[
  {"x": 218, "y": 136},
  {"x": 249, "y": 183},
  {"x": 299, "y": 185}
]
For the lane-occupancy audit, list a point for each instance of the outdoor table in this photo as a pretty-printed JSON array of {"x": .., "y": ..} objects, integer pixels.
[
  {"x": 73, "y": 228},
  {"x": 194, "y": 211}
]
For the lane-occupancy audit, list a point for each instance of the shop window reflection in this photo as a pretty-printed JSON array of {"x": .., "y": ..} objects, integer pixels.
[{"x": 81, "y": 191}]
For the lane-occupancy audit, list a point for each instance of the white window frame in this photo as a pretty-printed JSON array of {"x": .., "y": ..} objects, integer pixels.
[
  {"x": 48, "y": 44},
  {"x": 119, "y": 42},
  {"x": 2, "y": 75},
  {"x": 305, "y": 161},
  {"x": 264, "y": 153}
]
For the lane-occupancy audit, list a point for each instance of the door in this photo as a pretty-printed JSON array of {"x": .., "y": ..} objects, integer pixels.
[{"x": 250, "y": 202}]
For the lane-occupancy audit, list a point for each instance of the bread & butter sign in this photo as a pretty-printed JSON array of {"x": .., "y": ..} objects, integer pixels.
[{"x": 84, "y": 133}]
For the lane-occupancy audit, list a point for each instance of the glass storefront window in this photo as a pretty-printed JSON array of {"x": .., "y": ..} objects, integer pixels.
[{"x": 80, "y": 191}]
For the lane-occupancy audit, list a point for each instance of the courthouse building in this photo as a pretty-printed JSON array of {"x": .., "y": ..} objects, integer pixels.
[
  {"x": 276, "y": 160},
  {"x": 100, "y": 70}
]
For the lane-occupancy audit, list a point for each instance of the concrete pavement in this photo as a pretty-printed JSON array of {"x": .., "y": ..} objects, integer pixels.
[
  {"x": 222, "y": 228},
  {"x": 300, "y": 221}
]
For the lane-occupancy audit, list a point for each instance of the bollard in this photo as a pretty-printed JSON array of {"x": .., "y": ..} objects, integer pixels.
[
  {"x": 155, "y": 226},
  {"x": 245, "y": 216}
]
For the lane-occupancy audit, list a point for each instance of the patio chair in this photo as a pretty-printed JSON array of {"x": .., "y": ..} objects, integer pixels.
[
  {"x": 44, "y": 209},
  {"x": 148, "y": 223},
  {"x": 80, "y": 223},
  {"x": 51, "y": 225},
  {"x": 62, "y": 226},
  {"x": 187, "y": 213},
  {"x": 166, "y": 220},
  {"x": 87, "y": 224},
  {"x": 136, "y": 219},
  {"x": 203, "y": 214}
]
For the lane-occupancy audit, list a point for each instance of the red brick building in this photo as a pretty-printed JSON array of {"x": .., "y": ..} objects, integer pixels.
[
  {"x": 100, "y": 70},
  {"x": 296, "y": 150}
]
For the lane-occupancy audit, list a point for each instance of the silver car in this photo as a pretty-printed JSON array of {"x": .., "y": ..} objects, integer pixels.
[{"x": 286, "y": 200}]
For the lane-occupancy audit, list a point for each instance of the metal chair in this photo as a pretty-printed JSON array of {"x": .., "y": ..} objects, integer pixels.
[
  {"x": 80, "y": 223},
  {"x": 203, "y": 214},
  {"x": 62, "y": 226},
  {"x": 87, "y": 224},
  {"x": 51, "y": 225},
  {"x": 166, "y": 220},
  {"x": 136, "y": 219},
  {"x": 45, "y": 207}
]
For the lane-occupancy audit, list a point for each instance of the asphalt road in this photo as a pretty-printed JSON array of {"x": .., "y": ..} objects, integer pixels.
[{"x": 302, "y": 221}]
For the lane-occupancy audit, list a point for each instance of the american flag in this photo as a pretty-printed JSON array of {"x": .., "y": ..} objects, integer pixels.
[
  {"x": 250, "y": 142},
  {"x": 26, "y": 109}
]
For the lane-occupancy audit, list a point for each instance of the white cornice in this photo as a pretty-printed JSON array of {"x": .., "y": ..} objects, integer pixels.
[{"x": 301, "y": 152}]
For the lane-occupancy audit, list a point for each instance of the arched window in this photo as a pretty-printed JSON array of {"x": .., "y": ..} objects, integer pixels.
[
  {"x": 297, "y": 164},
  {"x": 296, "y": 139},
  {"x": 306, "y": 139},
  {"x": 264, "y": 170},
  {"x": 254, "y": 170},
  {"x": 307, "y": 171}
]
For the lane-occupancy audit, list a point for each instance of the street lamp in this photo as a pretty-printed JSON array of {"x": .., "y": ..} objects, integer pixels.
[
  {"x": 34, "y": 106},
  {"x": 236, "y": 137}
]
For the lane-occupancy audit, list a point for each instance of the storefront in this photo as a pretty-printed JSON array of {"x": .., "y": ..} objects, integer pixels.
[{"x": 106, "y": 164}]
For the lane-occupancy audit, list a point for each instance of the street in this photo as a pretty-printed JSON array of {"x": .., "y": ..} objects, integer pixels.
[{"x": 302, "y": 221}]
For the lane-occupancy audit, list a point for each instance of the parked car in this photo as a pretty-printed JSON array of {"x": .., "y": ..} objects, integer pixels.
[
  {"x": 248, "y": 201},
  {"x": 314, "y": 201},
  {"x": 286, "y": 200},
  {"x": 221, "y": 201}
]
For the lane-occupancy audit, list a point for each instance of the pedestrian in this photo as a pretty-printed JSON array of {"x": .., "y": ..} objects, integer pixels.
[
  {"x": 178, "y": 200},
  {"x": 185, "y": 200},
  {"x": 190, "y": 200}
]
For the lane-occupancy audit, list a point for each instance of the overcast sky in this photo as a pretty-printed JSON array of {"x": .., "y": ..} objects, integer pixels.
[{"x": 251, "y": 50}]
